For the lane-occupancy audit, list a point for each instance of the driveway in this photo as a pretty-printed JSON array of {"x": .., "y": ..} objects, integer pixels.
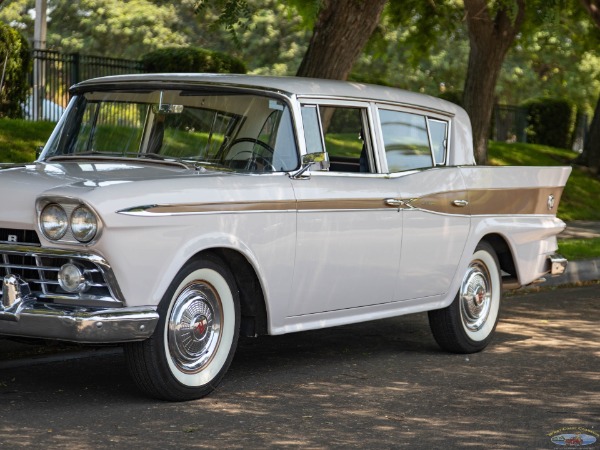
[{"x": 382, "y": 384}]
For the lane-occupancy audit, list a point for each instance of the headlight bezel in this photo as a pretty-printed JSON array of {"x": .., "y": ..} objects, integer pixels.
[{"x": 70, "y": 206}]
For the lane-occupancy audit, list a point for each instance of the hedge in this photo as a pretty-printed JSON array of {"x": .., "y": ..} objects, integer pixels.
[
  {"x": 15, "y": 65},
  {"x": 551, "y": 121},
  {"x": 191, "y": 60}
]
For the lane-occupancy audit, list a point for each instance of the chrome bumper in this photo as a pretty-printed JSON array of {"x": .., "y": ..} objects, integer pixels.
[
  {"x": 22, "y": 315},
  {"x": 558, "y": 265}
]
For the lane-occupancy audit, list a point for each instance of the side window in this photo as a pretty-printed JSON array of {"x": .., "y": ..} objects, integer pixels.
[
  {"x": 406, "y": 140},
  {"x": 413, "y": 141},
  {"x": 312, "y": 129},
  {"x": 344, "y": 133},
  {"x": 438, "y": 132}
]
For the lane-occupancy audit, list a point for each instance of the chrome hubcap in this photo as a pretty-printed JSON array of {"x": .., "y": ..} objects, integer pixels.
[
  {"x": 195, "y": 327},
  {"x": 475, "y": 296}
]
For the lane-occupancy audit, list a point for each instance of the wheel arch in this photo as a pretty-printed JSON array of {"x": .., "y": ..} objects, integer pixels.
[
  {"x": 503, "y": 252},
  {"x": 251, "y": 294}
]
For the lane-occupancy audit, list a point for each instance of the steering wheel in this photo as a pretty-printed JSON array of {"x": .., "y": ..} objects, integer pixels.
[{"x": 251, "y": 164}]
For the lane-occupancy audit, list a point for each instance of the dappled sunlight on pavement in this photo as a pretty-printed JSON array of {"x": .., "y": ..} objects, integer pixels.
[{"x": 375, "y": 385}]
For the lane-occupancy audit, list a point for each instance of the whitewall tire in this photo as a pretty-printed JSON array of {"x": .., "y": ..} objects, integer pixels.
[
  {"x": 469, "y": 323},
  {"x": 196, "y": 337}
]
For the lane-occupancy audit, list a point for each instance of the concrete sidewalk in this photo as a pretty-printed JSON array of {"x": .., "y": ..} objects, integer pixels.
[{"x": 581, "y": 229}]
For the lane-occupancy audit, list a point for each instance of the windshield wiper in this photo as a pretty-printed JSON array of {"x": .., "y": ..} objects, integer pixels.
[
  {"x": 157, "y": 156},
  {"x": 111, "y": 156}
]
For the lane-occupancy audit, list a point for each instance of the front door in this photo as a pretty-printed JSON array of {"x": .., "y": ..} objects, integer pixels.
[{"x": 348, "y": 238}]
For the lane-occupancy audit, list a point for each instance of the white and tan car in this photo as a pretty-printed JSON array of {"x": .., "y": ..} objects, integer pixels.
[{"x": 174, "y": 212}]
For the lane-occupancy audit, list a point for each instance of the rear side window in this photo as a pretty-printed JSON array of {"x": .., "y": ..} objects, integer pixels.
[{"x": 412, "y": 141}]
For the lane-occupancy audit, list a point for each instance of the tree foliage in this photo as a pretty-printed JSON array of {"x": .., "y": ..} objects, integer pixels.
[
  {"x": 113, "y": 28},
  {"x": 335, "y": 43},
  {"x": 191, "y": 59},
  {"x": 593, "y": 9},
  {"x": 15, "y": 64},
  {"x": 274, "y": 40}
]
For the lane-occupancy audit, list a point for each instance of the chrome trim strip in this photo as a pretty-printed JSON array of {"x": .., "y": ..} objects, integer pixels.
[
  {"x": 478, "y": 202},
  {"x": 210, "y": 208},
  {"x": 79, "y": 324}
]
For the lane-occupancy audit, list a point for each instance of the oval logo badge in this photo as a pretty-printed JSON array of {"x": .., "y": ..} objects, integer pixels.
[
  {"x": 550, "y": 202},
  {"x": 573, "y": 439}
]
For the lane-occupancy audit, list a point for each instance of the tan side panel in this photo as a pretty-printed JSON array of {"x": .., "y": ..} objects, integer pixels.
[{"x": 514, "y": 201}]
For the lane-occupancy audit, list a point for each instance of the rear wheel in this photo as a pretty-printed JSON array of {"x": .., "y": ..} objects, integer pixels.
[
  {"x": 196, "y": 337},
  {"x": 468, "y": 324}
]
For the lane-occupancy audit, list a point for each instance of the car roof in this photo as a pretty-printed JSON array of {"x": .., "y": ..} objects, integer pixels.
[{"x": 286, "y": 85}]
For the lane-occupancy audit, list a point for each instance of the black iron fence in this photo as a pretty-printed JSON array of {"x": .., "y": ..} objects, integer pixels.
[
  {"x": 509, "y": 124},
  {"x": 54, "y": 72}
]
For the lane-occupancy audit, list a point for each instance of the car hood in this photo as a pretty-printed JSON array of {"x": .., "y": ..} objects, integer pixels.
[{"x": 22, "y": 185}]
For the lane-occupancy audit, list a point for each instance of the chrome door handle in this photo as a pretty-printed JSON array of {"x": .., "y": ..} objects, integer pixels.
[
  {"x": 460, "y": 203},
  {"x": 394, "y": 202}
]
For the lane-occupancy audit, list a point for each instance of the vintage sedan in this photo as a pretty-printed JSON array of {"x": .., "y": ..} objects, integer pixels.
[{"x": 172, "y": 213}]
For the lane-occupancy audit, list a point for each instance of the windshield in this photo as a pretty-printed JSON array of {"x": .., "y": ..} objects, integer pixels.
[{"x": 240, "y": 132}]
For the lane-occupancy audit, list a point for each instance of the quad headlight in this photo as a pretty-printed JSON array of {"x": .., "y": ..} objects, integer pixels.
[
  {"x": 54, "y": 221},
  {"x": 84, "y": 224},
  {"x": 57, "y": 220}
]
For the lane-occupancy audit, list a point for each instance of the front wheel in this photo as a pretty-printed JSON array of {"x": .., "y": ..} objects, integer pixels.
[
  {"x": 468, "y": 324},
  {"x": 196, "y": 336}
]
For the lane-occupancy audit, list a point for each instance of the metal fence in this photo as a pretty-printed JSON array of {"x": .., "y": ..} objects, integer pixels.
[
  {"x": 509, "y": 124},
  {"x": 54, "y": 72}
]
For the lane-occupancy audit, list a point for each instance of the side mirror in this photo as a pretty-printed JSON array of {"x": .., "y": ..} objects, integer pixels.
[
  {"x": 319, "y": 159},
  {"x": 309, "y": 161}
]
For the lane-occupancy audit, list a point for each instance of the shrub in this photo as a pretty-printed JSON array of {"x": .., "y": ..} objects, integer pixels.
[
  {"x": 191, "y": 60},
  {"x": 550, "y": 122},
  {"x": 455, "y": 97},
  {"x": 15, "y": 65}
]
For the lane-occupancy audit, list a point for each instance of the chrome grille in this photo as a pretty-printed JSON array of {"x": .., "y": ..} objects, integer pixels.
[{"x": 39, "y": 267}]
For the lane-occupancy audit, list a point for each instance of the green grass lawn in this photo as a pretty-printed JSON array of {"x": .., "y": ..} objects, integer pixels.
[
  {"x": 573, "y": 249},
  {"x": 581, "y": 195},
  {"x": 19, "y": 139}
]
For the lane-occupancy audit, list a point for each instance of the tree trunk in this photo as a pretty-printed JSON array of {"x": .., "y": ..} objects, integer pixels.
[
  {"x": 341, "y": 31},
  {"x": 591, "y": 149},
  {"x": 489, "y": 39},
  {"x": 593, "y": 9},
  {"x": 590, "y": 156}
]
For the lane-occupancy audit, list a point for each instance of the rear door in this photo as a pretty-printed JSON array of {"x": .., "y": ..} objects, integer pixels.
[{"x": 431, "y": 196}]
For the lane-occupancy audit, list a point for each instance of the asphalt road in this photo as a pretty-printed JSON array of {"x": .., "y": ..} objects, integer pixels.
[{"x": 382, "y": 384}]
